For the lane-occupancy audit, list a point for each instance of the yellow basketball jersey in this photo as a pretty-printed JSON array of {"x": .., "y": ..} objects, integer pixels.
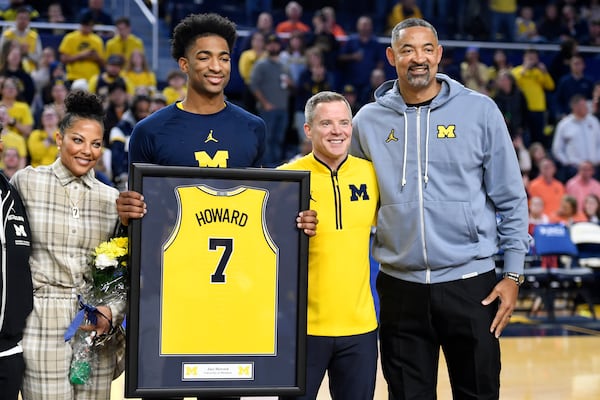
[{"x": 219, "y": 278}]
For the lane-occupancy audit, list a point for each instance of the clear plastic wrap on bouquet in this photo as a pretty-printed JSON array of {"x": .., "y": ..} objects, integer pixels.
[
  {"x": 109, "y": 272},
  {"x": 109, "y": 287},
  {"x": 84, "y": 359}
]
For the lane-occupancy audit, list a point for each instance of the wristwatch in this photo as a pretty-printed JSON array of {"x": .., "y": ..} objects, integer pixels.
[{"x": 513, "y": 276}]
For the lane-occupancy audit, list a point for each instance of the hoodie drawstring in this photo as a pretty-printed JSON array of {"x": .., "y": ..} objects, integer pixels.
[
  {"x": 425, "y": 175},
  {"x": 405, "y": 149}
]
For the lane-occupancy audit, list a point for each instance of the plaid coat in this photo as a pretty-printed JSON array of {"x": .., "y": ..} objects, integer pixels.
[{"x": 62, "y": 240}]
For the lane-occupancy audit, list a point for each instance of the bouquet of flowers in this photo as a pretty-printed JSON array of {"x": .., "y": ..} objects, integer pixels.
[{"x": 109, "y": 273}]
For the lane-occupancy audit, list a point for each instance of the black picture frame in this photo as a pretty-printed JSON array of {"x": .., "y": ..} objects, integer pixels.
[{"x": 164, "y": 361}]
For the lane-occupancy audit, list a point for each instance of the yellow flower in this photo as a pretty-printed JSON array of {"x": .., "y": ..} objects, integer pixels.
[
  {"x": 120, "y": 242},
  {"x": 114, "y": 249}
]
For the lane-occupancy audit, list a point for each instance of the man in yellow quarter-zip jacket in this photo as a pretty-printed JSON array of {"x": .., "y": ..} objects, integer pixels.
[{"x": 341, "y": 322}]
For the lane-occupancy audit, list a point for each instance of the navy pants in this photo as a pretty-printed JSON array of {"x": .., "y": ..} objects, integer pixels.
[
  {"x": 351, "y": 364},
  {"x": 416, "y": 320}
]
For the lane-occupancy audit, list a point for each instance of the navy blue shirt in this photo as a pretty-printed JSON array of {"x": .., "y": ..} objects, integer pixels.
[{"x": 230, "y": 138}]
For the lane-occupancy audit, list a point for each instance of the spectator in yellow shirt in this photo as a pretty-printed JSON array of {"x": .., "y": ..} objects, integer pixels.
[
  {"x": 112, "y": 72},
  {"x": 403, "y": 9},
  {"x": 503, "y": 14},
  {"x": 177, "y": 88},
  {"x": 82, "y": 51},
  {"x": 41, "y": 143},
  {"x": 247, "y": 60},
  {"x": 20, "y": 117},
  {"x": 28, "y": 39},
  {"x": 138, "y": 73},
  {"x": 125, "y": 42},
  {"x": 534, "y": 80},
  {"x": 9, "y": 13},
  {"x": 12, "y": 139}
]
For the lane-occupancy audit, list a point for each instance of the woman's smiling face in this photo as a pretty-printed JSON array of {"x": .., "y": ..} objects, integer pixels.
[{"x": 80, "y": 146}]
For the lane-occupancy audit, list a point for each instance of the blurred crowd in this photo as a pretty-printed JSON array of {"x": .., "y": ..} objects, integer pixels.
[{"x": 292, "y": 50}]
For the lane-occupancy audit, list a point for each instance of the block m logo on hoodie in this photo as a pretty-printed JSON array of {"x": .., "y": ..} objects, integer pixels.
[
  {"x": 446, "y": 132},
  {"x": 358, "y": 193},
  {"x": 20, "y": 231}
]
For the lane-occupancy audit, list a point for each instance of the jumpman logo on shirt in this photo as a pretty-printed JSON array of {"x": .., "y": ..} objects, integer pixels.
[
  {"x": 391, "y": 137},
  {"x": 210, "y": 137}
]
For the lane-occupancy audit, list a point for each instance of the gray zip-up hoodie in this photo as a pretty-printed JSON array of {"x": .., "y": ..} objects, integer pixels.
[{"x": 450, "y": 187}]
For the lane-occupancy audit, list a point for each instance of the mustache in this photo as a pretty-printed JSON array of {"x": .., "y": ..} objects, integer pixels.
[{"x": 419, "y": 65}]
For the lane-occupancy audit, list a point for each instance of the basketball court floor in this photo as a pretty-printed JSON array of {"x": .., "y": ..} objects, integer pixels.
[{"x": 540, "y": 360}]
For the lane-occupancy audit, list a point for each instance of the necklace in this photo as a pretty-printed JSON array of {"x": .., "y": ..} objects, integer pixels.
[{"x": 74, "y": 205}]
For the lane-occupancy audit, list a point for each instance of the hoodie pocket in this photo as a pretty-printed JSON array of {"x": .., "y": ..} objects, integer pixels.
[
  {"x": 398, "y": 239},
  {"x": 450, "y": 233}
]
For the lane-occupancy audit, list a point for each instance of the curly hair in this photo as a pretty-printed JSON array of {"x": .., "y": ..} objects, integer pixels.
[
  {"x": 199, "y": 25},
  {"x": 80, "y": 104}
]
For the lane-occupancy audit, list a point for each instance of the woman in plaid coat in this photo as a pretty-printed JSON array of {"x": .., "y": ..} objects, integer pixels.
[{"x": 70, "y": 213}]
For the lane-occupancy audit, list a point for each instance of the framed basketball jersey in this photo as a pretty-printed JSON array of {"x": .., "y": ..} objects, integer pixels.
[
  {"x": 218, "y": 291},
  {"x": 220, "y": 255}
]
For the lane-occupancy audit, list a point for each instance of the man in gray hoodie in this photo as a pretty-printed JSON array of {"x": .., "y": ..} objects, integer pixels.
[{"x": 451, "y": 195}]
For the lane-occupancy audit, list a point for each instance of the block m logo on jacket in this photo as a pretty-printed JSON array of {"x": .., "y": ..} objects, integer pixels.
[
  {"x": 358, "y": 193},
  {"x": 446, "y": 132}
]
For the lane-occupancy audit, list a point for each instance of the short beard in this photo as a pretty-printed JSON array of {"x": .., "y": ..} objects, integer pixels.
[{"x": 419, "y": 81}]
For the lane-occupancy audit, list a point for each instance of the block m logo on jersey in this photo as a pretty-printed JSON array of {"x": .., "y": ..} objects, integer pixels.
[
  {"x": 360, "y": 192},
  {"x": 446, "y": 132},
  {"x": 218, "y": 161}
]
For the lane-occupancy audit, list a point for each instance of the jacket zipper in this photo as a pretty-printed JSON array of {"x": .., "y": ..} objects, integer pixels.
[
  {"x": 421, "y": 202},
  {"x": 3, "y": 266},
  {"x": 337, "y": 200}
]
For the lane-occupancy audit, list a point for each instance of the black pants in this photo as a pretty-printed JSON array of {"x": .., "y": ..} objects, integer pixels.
[
  {"x": 416, "y": 320},
  {"x": 11, "y": 376}
]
